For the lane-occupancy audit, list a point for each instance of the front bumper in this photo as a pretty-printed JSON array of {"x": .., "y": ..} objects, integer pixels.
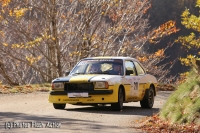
[{"x": 94, "y": 96}]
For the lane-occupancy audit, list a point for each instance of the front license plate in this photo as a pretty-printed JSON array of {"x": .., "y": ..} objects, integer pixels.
[{"x": 80, "y": 94}]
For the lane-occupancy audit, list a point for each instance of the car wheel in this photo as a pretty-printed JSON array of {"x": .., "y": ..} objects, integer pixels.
[
  {"x": 59, "y": 106},
  {"x": 119, "y": 105},
  {"x": 148, "y": 99}
]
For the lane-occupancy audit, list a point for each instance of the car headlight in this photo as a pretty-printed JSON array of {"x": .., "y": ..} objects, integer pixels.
[
  {"x": 56, "y": 86},
  {"x": 101, "y": 85}
]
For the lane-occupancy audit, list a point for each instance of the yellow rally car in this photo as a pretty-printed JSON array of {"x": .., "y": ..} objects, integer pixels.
[{"x": 105, "y": 80}]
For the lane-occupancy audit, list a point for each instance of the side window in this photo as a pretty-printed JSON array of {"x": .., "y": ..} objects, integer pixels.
[
  {"x": 130, "y": 68},
  {"x": 139, "y": 69}
]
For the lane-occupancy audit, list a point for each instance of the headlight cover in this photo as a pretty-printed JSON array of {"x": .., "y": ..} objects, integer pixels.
[
  {"x": 101, "y": 85},
  {"x": 58, "y": 85}
]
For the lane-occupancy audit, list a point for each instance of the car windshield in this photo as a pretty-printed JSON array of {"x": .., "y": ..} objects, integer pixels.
[{"x": 99, "y": 66}]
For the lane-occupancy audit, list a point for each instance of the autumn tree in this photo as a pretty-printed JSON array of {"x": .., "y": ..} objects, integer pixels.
[
  {"x": 191, "y": 41},
  {"x": 41, "y": 39}
]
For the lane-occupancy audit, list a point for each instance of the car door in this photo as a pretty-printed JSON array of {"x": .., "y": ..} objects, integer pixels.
[
  {"x": 140, "y": 79},
  {"x": 131, "y": 80}
]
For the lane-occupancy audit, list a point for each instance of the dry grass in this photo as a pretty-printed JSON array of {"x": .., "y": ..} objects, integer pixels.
[
  {"x": 166, "y": 87},
  {"x": 6, "y": 89}
]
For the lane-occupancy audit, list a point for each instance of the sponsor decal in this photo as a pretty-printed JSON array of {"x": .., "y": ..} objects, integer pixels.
[
  {"x": 135, "y": 85},
  {"x": 101, "y": 60},
  {"x": 71, "y": 100}
]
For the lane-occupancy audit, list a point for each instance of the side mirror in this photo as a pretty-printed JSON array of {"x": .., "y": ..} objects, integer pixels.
[
  {"x": 129, "y": 72},
  {"x": 67, "y": 73}
]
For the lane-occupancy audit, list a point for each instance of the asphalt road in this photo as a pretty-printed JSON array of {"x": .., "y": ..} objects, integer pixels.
[{"x": 32, "y": 113}]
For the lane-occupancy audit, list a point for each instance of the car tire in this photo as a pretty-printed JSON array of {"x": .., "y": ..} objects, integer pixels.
[
  {"x": 59, "y": 106},
  {"x": 148, "y": 100},
  {"x": 119, "y": 105}
]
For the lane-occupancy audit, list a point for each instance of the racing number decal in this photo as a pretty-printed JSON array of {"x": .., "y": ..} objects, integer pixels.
[{"x": 135, "y": 85}]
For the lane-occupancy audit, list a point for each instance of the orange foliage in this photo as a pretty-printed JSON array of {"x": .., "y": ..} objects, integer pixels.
[
  {"x": 142, "y": 59},
  {"x": 164, "y": 30},
  {"x": 154, "y": 124},
  {"x": 5, "y": 2},
  {"x": 159, "y": 53}
]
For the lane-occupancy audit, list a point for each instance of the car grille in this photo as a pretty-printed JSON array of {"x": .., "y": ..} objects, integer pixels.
[{"x": 79, "y": 86}]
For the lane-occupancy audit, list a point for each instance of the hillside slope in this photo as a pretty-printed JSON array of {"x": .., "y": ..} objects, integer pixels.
[{"x": 183, "y": 106}]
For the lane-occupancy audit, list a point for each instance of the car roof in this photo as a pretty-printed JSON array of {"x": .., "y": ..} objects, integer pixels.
[{"x": 112, "y": 57}]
